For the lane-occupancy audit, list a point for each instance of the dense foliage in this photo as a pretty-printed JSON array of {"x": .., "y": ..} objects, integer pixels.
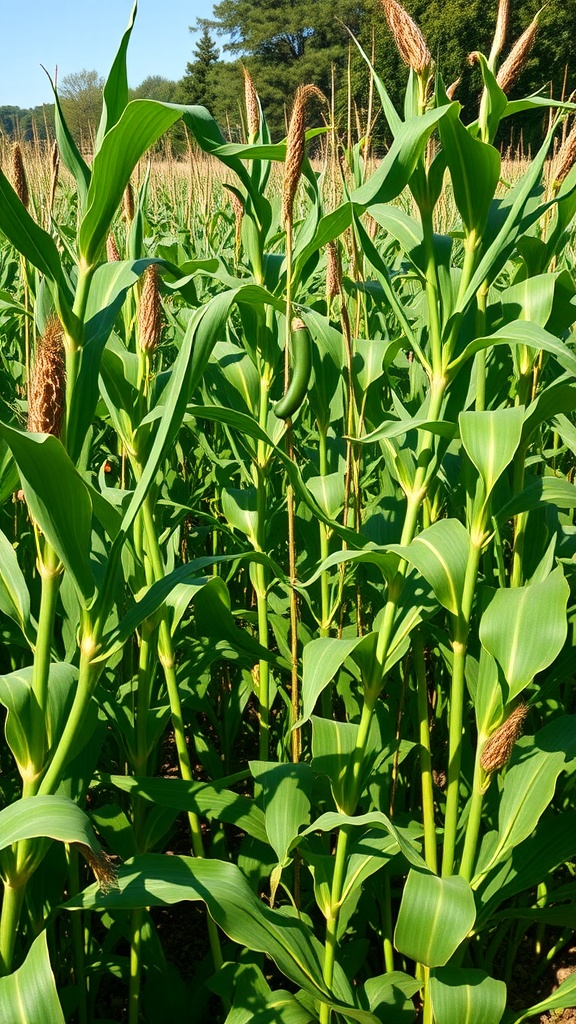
[{"x": 287, "y": 585}]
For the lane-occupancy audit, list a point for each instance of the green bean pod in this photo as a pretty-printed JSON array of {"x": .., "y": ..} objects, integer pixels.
[{"x": 301, "y": 370}]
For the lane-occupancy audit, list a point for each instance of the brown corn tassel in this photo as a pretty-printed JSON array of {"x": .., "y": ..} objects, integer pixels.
[
  {"x": 333, "y": 271},
  {"x": 372, "y": 226},
  {"x": 498, "y": 748},
  {"x": 517, "y": 57},
  {"x": 566, "y": 157},
  {"x": 295, "y": 141},
  {"x": 103, "y": 867},
  {"x": 48, "y": 384},
  {"x": 149, "y": 311},
  {"x": 409, "y": 40},
  {"x": 252, "y": 107},
  {"x": 112, "y": 254},
  {"x": 19, "y": 176},
  {"x": 129, "y": 203}
]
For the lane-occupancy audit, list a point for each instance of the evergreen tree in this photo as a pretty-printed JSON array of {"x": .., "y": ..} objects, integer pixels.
[{"x": 197, "y": 86}]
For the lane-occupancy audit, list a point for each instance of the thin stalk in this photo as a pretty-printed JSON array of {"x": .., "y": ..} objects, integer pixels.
[
  {"x": 295, "y": 686},
  {"x": 50, "y": 573},
  {"x": 430, "y": 852},
  {"x": 474, "y": 820},
  {"x": 78, "y": 939},
  {"x": 387, "y": 925},
  {"x": 87, "y": 678},
  {"x": 136, "y": 922},
  {"x": 460, "y": 647},
  {"x": 9, "y": 920},
  {"x": 167, "y": 660},
  {"x": 339, "y": 876},
  {"x": 261, "y": 574}
]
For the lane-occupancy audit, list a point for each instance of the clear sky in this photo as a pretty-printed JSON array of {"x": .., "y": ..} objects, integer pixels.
[{"x": 77, "y": 34}]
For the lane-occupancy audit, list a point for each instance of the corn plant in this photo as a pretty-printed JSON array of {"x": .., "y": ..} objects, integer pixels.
[{"x": 295, "y": 524}]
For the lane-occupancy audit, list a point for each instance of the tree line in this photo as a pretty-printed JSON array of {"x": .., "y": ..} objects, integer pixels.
[{"x": 285, "y": 44}]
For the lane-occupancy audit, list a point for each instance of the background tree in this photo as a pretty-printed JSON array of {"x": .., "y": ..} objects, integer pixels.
[
  {"x": 198, "y": 85},
  {"x": 81, "y": 96},
  {"x": 155, "y": 87}
]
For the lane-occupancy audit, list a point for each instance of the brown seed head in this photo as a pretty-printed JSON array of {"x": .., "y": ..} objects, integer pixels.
[
  {"x": 112, "y": 254},
  {"x": 129, "y": 203},
  {"x": 252, "y": 107},
  {"x": 298, "y": 324},
  {"x": 566, "y": 157},
  {"x": 501, "y": 30},
  {"x": 55, "y": 161},
  {"x": 333, "y": 271},
  {"x": 19, "y": 176},
  {"x": 498, "y": 748},
  {"x": 48, "y": 383},
  {"x": 295, "y": 142},
  {"x": 409, "y": 40},
  {"x": 149, "y": 311},
  {"x": 517, "y": 57}
]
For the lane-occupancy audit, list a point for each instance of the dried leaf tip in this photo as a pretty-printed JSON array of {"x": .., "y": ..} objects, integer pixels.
[
  {"x": 48, "y": 384},
  {"x": 149, "y": 311},
  {"x": 19, "y": 176},
  {"x": 499, "y": 746},
  {"x": 104, "y": 869},
  {"x": 453, "y": 87},
  {"x": 295, "y": 142},
  {"x": 238, "y": 208},
  {"x": 252, "y": 105},
  {"x": 409, "y": 40},
  {"x": 517, "y": 57}
]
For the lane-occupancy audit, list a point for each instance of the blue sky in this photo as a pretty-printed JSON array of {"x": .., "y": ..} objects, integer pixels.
[{"x": 77, "y": 34}]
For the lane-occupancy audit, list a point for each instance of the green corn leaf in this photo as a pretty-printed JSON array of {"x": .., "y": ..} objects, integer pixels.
[
  {"x": 400, "y": 162},
  {"x": 70, "y": 154},
  {"x": 321, "y": 660},
  {"x": 525, "y": 628},
  {"x": 545, "y": 490},
  {"x": 390, "y": 996},
  {"x": 141, "y": 123},
  {"x": 211, "y": 800},
  {"x": 115, "y": 95},
  {"x": 491, "y": 440},
  {"x": 332, "y": 820},
  {"x": 14, "y": 595},
  {"x": 520, "y": 332},
  {"x": 58, "y": 500},
  {"x": 440, "y": 553},
  {"x": 29, "y": 995},
  {"x": 108, "y": 289},
  {"x": 18, "y": 698},
  {"x": 475, "y": 172},
  {"x": 435, "y": 916},
  {"x": 156, "y": 880},
  {"x": 286, "y": 796},
  {"x": 53, "y": 817},
  {"x": 466, "y": 996}
]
